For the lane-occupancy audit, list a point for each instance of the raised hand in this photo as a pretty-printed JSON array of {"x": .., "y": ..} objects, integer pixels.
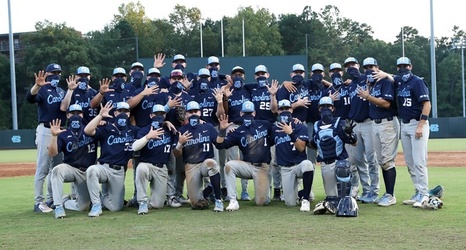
[
  {"x": 176, "y": 102},
  {"x": 288, "y": 85},
  {"x": 55, "y": 127},
  {"x": 105, "y": 86},
  {"x": 40, "y": 78},
  {"x": 218, "y": 94},
  {"x": 154, "y": 133},
  {"x": 223, "y": 120},
  {"x": 285, "y": 127},
  {"x": 186, "y": 83},
  {"x": 227, "y": 92},
  {"x": 183, "y": 138},
  {"x": 158, "y": 60},
  {"x": 71, "y": 81},
  {"x": 150, "y": 90},
  {"x": 170, "y": 126},
  {"x": 105, "y": 109},
  {"x": 273, "y": 87}
]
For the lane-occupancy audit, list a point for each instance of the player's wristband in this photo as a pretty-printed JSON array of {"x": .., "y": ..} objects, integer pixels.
[
  {"x": 293, "y": 137},
  {"x": 179, "y": 146},
  {"x": 222, "y": 133},
  {"x": 424, "y": 117},
  {"x": 166, "y": 108}
]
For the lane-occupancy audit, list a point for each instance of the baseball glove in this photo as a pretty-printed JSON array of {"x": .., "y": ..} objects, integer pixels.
[{"x": 201, "y": 205}]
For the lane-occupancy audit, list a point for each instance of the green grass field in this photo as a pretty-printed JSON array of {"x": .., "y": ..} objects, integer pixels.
[{"x": 272, "y": 227}]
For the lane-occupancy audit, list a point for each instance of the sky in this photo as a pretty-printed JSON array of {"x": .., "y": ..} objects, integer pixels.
[{"x": 386, "y": 17}]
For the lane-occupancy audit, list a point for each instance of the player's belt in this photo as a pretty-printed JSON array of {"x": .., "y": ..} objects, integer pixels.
[
  {"x": 116, "y": 167},
  {"x": 329, "y": 161},
  {"x": 46, "y": 124},
  {"x": 257, "y": 164},
  {"x": 289, "y": 165},
  {"x": 390, "y": 118},
  {"x": 159, "y": 165},
  {"x": 365, "y": 120},
  {"x": 408, "y": 120}
]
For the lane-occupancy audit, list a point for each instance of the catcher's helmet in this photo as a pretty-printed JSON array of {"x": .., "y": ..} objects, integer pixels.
[{"x": 347, "y": 207}]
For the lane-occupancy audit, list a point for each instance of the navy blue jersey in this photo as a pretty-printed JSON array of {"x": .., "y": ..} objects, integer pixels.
[
  {"x": 217, "y": 82},
  {"x": 260, "y": 96},
  {"x": 208, "y": 105},
  {"x": 48, "y": 101},
  {"x": 342, "y": 105},
  {"x": 176, "y": 114},
  {"x": 235, "y": 102},
  {"x": 200, "y": 147},
  {"x": 329, "y": 139},
  {"x": 116, "y": 97},
  {"x": 253, "y": 141},
  {"x": 84, "y": 98},
  {"x": 79, "y": 150},
  {"x": 165, "y": 81},
  {"x": 386, "y": 90},
  {"x": 144, "y": 108},
  {"x": 359, "y": 108},
  {"x": 115, "y": 146},
  {"x": 287, "y": 154},
  {"x": 301, "y": 92},
  {"x": 411, "y": 94},
  {"x": 157, "y": 151}
]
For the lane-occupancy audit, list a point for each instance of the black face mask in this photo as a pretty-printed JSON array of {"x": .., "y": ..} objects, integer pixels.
[
  {"x": 82, "y": 83},
  {"x": 336, "y": 79},
  {"x": 317, "y": 78},
  {"x": 297, "y": 79},
  {"x": 238, "y": 82},
  {"x": 213, "y": 72},
  {"x": 118, "y": 84},
  {"x": 179, "y": 66},
  {"x": 404, "y": 74},
  {"x": 157, "y": 121},
  {"x": 285, "y": 117},
  {"x": 248, "y": 119},
  {"x": 75, "y": 123},
  {"x": 121, "y": 121},
  {"x": 152, "y": 81},
  {"x": 136, "y": 78},
  {"x": 203, "y": 84},
  {"x": 370, "y": 77},
  {"x": 53, "y": 79},
  {"x": 353, "y": 73},
  {"x": 193, "y": 120},
  {"x": 262, "y": 81},
  {"x": 177, "y": 87},
  {"x": 326, "y": 115}
]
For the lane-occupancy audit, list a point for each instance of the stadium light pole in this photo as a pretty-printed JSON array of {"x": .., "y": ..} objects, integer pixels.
[
  {"x": 12, "y": 72},
  {"x": 200, "y": 30},
  {"x": 461, "y": 44},
  {"x": 432, "y": 62}
]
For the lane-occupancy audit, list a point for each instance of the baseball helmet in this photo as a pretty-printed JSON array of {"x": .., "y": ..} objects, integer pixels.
[
  {"x": 347, "y": 207},
  {"x": 247, "y": 107}
]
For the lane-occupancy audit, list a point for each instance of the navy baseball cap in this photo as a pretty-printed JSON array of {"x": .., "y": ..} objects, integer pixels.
[
  {"x": 122, "y": 105},
  {"x": 212, "y": 60},
  {"x": 203, "y": 72},
  {"x": 325, "y": 101},
  {"x": 192, "y": 105},
  {"x": 158, "y": 108},
  {"x": 75, "y": 107},
  {"x": 179, "y": 57},
  {"x": 53, "y": 68},
  {"x": 137, "y": 64},
  {"x": 369, "y": 62},
  {"x": 284, "y": 104},
  {"x": 83, "y": 71},
  {"x": 334, "y": 66},
  {"x": 153, "y": 71},
  {"x": 260, "y": 68},
  {"x": 403, "y": 61},
  {"x": 248, "y": 107},
  {"x": 317, "y": 66},
  {"x": 237, "y": 69},
  {"x": 119, "y": 70},
  {"x": 350, "y": 60},
  {"x": 298, "y": 67}
]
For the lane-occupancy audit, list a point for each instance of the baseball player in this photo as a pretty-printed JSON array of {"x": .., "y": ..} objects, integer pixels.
[
  {"x": 290, "y": 144},
  {"x": 254, "y": 140},
  {"x": 48, "y": 97},
  {"x": 195, "y": 145},
  {"x": 382, "y": 110},
  {"x": 362, "y": 156},
  {"x": 155, "y": 143},
  {"x": 136, "y": 73},
  {"x": 179, "y": 63},
  {"x": 116, "y": 141},
  {"x": 329, "y": 138},
  {"x": 217, "y": 80},
  {"x": 79, "y": 153}
]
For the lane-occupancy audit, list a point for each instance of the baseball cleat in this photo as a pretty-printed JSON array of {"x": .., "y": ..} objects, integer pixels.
[
  {"x": 96, "y": 210},
  {"x": 42, "y": 208},
  {"x": 59, "y": 212},
  {"x": 233, "y": 206},
  {"x": 413, "y": 199},
  {"x": 173, "y": 202},
  {"x": 245, "y": 196},
  {"x": 143, "y": 209},
  {"x": 218, "y": 206},
  {"x": 183, "y": 200},
  {"x": 305, "y": 206},
  {"x": 387, "y": 200}
]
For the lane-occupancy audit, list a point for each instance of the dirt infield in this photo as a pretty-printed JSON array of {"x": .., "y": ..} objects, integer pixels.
[{"x": 436, "y": 159}]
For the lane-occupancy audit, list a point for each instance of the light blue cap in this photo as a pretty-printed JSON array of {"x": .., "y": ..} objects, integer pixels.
[
  {"x": 325, "y": 100},
  {"x": 192, "y": 105},
  {"x": 297, "y": 67},
  {"x": 122, "y": 105},
  {"x": 83, "y": 70},
  {"x": 402, "y": 61},
  {"x": 247, "y": 107},
  {"x": 119, "y": 70},
  {"x": 75, "y": 107},
  {"x": 317, "y": 66},
  {"x": 158, "y": 108}
]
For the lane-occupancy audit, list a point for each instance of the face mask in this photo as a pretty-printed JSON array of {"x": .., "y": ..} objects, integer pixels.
[
  {"x": 238, "y": 82},
  {"x": 157, "y": 121},
  {"x": 353, "y": 72},
  {"x": 213, "y": 72},
  {"x": 262, "y": 81},
  {"x": 285, "y": 117},
  {"x": 203, "y": 84},
  {"x": 317, "y": 78},
  {"x": 369, "y": 76},
  {"x": 297, "y": 79},
  {"x": 75, "y": 122},
  {"x": 326, "y": 115},
  {"x": 118, "y": 84},
  {"x": 136, "y": 78},
  {"x": 121, "y": 121},
  {"x": 53, "y": 79},
  {"x": 248, "y": 119},
  {"x": 404, "y": 74},
  {"x": 152, "y": 81},
  {"x": 82, "y": 83},
  {"x": 193, "y": 120},
  {"x": 179, "y": 66},
  {"x": 177, "y": 87},
  {"x": 336, "y": 79}
]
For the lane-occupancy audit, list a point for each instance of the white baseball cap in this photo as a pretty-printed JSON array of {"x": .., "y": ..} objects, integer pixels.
[
  {"x": 153, "y": 71},
  {"x": 260, "y": 68},
  {"x": 203, "y": 72},
  {"x": 298, "y": 67},
  {"x": 334, "y": 66},
  {"x": 317, "y": 66},
  {"x": 122, "y": 105},
  {"x": 179, "y": 57},
  {"x": 212, "y": 59},
  {"x": 137, "y": 64},
  {"x": 119, "y": 70},
  {"x": 284, "y": 104},
  {"x": 369, "y": 62}
]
